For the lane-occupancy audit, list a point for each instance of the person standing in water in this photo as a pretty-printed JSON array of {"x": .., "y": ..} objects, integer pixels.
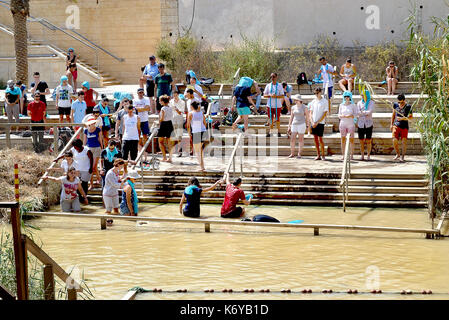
[
  {"x": 129, "y": 204},
  {"x": 192, "y": 195}
]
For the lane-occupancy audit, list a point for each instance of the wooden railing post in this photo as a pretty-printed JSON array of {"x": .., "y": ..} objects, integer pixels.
[
  {"x": 20, "y": 254},
  {"x": 55, "y": 138},
  {"x": 71, "y": 294},
  {"x": 49, "y": 282},
  {"x": 8, "y": 136}
]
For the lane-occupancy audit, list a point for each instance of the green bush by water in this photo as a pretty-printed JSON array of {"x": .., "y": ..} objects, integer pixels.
[{"x": 257, "y": 58}]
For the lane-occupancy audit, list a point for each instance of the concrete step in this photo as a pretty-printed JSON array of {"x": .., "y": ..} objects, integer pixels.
[
  {"x": 291, "y": 195},
  {"x": 306, "y": 187},
  {"x": 292, "y": 181},
  {"x": 264, "y": 150},
  {"x": 296, "y": 202}
]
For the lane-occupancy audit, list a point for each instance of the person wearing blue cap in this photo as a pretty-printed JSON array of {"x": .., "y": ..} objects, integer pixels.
[
  {"x": 347, "y": 113},
  {"x": 89, "y": 96},
  {"x": 365, "y": 123},
  {"x": 12, "y": 102},
  {"x": 64, "y": 94}
]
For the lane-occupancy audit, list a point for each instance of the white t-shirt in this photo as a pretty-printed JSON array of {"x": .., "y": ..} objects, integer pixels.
[
  {"x": 189, "y": 105},
  {"x": 81, "y": 160},
  {"x": 276, "y": 90},
  {"x": 131, "y": 132},
  {"x": 168, "y": 113},
  {"x": 65, "y": 93},
  {"x": 196, "y": 96},
  {"x": 180, "y": 106},
  {"x": 65, "y": 166},
  {"x": 142, "y": 103},
  {"x": 347, "y": 110},
  {"x": 111, "y": 184},
  {"x": 318, "y": 108},
  {"x": 68, "y": 192},
  {"x": 327, "y": 77}
]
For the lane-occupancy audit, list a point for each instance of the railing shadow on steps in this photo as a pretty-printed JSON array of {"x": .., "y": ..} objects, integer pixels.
[
  {"x": 22, "y": 245},
  {"x": 346, "y": 174},
  {"x": 237, "y": 146}
]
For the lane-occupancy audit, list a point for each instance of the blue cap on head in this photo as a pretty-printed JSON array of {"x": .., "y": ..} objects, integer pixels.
[
  {"x": 64, "y": 78},
  {"x": 71, "y": 49},
  {"x": 86, "y": 84},
  {"x": 348, "y": 94},
  {"x": 192, "y": 75}
]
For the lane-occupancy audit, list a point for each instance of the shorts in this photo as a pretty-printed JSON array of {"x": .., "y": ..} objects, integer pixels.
[
  {"x": 365, "y": 133},
  {"x": 200, "y": 137},
  {"x": 64, "y": 111},
  {"x": 299, "y": 128},
  {"x": 75, "y": 74},
  {"x": 111, "y": 202},
  {"x": 399, "y": 133},
  {"x": 96, "y": 151},
  {"x": 244, "y": 111},
  {"x": 318, "y": 130},
  {"x": 190, "y": 214},
  {"x": 144, "y": 128},
  {"x": 69, "y": 206},
  {"x": 274, "y": 113},
  {"x": 150, "y": 88},
  {"x": 330, "y": 91},
  {"x": 344, "y": 130},
  {"x": 85, "y": 176},
  {"x": 235, "y": 213},
  {"x": 165, "y": 129}
]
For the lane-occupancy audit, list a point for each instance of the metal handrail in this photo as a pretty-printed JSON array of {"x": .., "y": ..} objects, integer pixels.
[
  {"x": 236, "y": 76},
  {"x": 60, "y": 154},
  {"x": 140, "y": 154},
  {"x": 346, "y": 173},
  {"x": 97, "y": 46},
  {"x": 232, "y": 159}
]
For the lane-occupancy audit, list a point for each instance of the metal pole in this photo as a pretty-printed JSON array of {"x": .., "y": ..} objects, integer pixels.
[
  {"x": 152, "y": 155},
  {"x": 241, "y": 157}
]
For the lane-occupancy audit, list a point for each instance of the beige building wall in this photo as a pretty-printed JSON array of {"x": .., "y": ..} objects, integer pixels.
[{"x": 129, "y": 29}]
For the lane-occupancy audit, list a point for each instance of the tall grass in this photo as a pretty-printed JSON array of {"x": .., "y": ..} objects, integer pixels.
[
  {"x": 35, "y": 272},
  {"x": 431, "y": 71}
]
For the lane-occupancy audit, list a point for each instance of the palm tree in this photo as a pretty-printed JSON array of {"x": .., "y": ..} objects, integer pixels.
[{"x": 20, "y": 10}]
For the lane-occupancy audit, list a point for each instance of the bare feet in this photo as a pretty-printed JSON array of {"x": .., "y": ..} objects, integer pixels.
[{"x": 318, "y": 158}]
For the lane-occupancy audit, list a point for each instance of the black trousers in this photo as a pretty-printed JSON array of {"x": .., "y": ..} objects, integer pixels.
[
  {"x": 150, "y": 88},
  {"x": 130, "y": 147},
  {"x": 37, "y": 134}
]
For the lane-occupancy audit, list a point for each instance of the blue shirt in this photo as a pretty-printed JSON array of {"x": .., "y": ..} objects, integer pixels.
[
  {"x": 151, "y": 70},
  {"x": 192, "y": 194},
  {"x": 92, "y": 138},
  {"x": 79, "y": 111}
]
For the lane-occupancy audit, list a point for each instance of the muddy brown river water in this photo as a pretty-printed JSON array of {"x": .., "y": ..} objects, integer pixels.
[{"x": 172, "y": 257}]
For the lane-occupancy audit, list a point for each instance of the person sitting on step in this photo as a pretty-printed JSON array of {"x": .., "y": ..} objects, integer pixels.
[
  {"x": 233, "y": 194},
  {"x": 191, "y": 195}
]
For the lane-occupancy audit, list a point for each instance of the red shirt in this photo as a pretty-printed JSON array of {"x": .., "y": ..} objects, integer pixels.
[
  {"x": 232, "y": 197},
  {"x": 37, "y": 110},
  {"x": 89, "y": 98}
]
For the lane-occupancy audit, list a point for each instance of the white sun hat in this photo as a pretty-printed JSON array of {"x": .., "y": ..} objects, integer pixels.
[{"x": 133, "y": 174}]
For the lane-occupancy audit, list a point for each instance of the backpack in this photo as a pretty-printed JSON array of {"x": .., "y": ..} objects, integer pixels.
[
  {"x": 302, "y": 79},
  {"x": 230, "y": 118}
]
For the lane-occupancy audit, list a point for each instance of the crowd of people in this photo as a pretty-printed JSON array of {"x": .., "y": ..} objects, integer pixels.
[{"x": 112, "y": 136}]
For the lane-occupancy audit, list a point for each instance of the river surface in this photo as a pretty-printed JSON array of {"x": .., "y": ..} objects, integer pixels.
[{"x": 183, "y": 256}]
